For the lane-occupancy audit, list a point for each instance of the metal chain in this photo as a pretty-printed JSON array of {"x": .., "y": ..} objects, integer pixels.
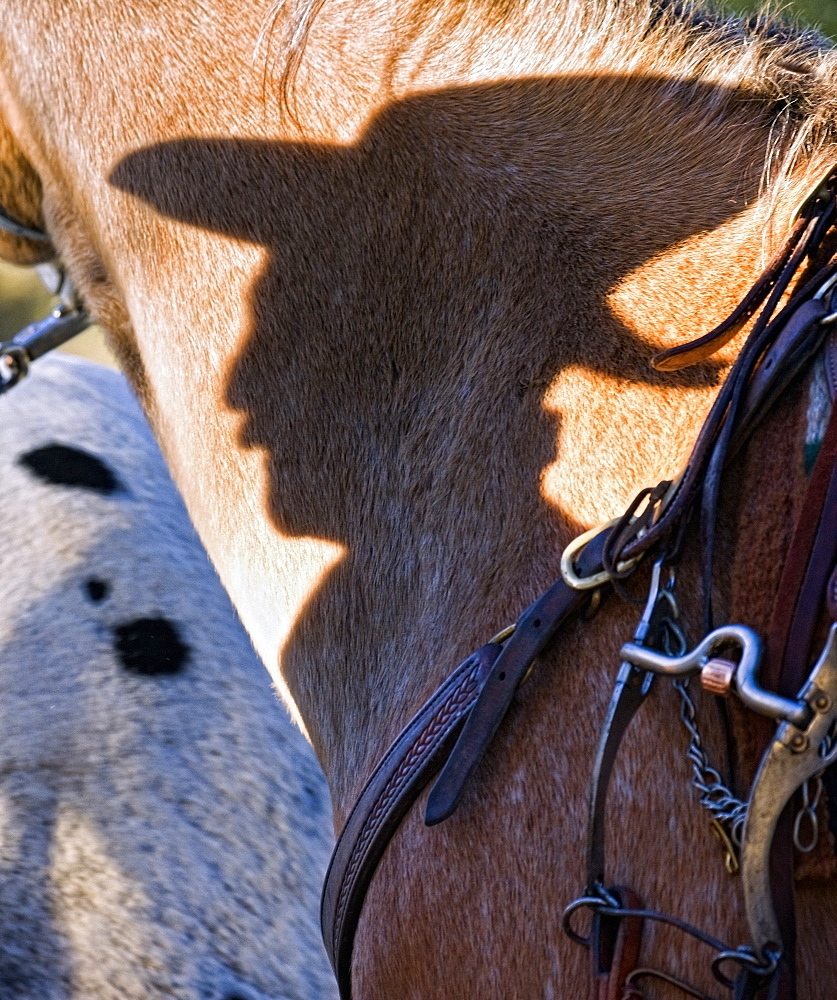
[
  {"x": 810, "y": 803},
  {"x": 726, "y": 810}
]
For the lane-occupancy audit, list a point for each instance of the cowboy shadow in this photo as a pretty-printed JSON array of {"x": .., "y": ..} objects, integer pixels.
[{"x": 423, "y": 287}]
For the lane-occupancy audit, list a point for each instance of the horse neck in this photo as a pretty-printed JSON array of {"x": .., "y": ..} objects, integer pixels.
[
  {"x": 510, "y": 404},
  {"x": 503, "y": 402},
  {"x": 442, "y": 362}
]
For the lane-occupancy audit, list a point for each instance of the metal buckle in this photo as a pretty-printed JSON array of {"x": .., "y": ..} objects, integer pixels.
[
  {"x": 827, "y": 286},
  {"x": 571, "y": 578}
]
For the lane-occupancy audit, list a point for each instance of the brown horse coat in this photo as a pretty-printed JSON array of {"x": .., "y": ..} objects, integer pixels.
[{"x": 389, "y": 307}]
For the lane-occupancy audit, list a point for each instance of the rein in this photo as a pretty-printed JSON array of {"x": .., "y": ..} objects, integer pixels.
[
  {"x": 66, "y": 321},
  {"x": 452, "y": 731}
]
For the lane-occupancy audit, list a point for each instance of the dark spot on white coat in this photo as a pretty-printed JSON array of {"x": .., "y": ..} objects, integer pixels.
[
  {"x": 151, "y": 646},
  {"x": 97, "y": 590},
  {"x": 61, "y": 465}
]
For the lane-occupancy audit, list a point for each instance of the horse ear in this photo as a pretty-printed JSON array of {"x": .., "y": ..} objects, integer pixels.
[{"x": 20, "y": 206}]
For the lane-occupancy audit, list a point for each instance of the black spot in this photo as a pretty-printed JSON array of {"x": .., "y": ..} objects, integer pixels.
[
  {"x": 97, "y": 590},
  {"x": 151, "y": 646},
  {"x": 62, "y": 465}
]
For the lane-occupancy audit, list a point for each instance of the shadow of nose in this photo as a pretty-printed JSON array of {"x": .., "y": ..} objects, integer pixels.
[{"x": 418, "y": 298}]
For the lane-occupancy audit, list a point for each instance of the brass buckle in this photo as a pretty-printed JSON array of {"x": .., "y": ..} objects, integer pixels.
[
  {"x": 568, "y": 573},
  {"x": 571, "y": 578}
]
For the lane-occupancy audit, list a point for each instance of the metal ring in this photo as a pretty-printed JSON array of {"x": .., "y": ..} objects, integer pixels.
[
  {"x": 747, "y": 959},
  {"x": 572, "y": 579},
  {"x": 14, "y": 364},
  {"x": 665, "y": 977},
  {"x": 826, "y": 287},
  {"x": 806, "y": 846},
  {"x": 593, "y": 902}
]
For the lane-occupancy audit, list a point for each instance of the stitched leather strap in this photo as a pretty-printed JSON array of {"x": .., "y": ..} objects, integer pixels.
[
  {"x": 393, "y": 787},
  {"x": 535, "y": 629},
  {"x": 418, "y": 751}
]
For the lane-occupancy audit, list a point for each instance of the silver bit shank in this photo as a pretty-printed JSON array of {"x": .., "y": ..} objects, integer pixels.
[
  {"x": 796, "y": 754},
  {"x": 746, "y": 684}
]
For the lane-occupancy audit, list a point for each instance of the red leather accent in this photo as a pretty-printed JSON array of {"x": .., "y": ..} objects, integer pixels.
[
  {"x": 811, "y": 559},
  {"x": 830, "y": 362},
  {"x": 831, "y": 596},
  {"x": 807, "y": 583},
  {"x": 615, "y": 944}
]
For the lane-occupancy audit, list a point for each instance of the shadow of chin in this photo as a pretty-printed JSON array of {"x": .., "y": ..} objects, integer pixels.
[{"x": 423, "y": 289}]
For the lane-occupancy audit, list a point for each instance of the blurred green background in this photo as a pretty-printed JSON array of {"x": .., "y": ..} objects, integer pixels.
[
  {"x": 22, "y": 298},
  {"x": 819, "y": 13}
]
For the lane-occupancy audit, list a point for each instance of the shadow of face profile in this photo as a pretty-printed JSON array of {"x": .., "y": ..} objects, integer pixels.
[{"x": 406, "y": 273}]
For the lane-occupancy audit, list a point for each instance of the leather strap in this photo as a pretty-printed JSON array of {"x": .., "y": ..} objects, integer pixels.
[
  {"x": 418, "y": 751},
  {"x": 393, "y": 787},
  {"x": 762, "y": 338},
  {"x": 535, "y": 629},
  {"x": 615, "y": 943},
  {"x": 704, "y": 347}
]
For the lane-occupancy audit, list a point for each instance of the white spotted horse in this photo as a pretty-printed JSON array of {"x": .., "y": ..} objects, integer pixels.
[
  {"x": 164, "y": 825},
  {"x": 410, "y": 291}
]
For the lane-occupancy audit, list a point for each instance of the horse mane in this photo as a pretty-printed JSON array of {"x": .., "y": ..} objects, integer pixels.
[{"x": 792, "y": 68}]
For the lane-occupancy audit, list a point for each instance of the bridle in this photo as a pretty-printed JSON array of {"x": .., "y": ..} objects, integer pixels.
[
  {"x": 451, "y": 732},
  {"x": 66, "y": 321}
]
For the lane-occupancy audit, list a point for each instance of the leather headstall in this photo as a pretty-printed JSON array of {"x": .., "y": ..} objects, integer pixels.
[{"x": 452, "y": 730}]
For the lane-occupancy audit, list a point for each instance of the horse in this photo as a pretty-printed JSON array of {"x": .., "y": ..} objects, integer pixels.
[
  {"x": 386, "y": 279},
  {"x": 165, "y": 825}
]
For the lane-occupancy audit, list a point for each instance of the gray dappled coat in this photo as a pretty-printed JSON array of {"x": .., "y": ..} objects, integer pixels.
[{"x": 164, "y": 827}]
